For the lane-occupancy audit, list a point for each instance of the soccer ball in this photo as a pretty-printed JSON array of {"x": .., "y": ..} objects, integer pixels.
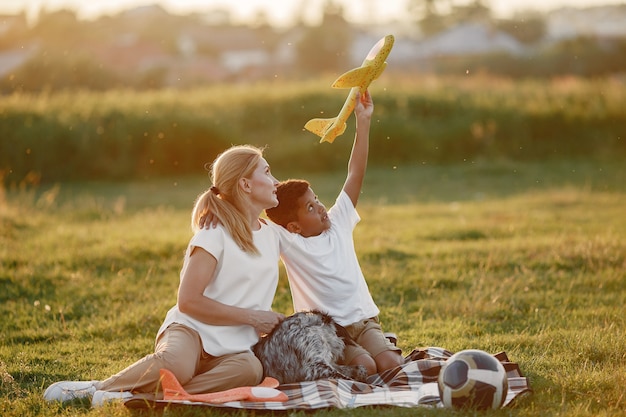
[{"x": 472, "y": 379}]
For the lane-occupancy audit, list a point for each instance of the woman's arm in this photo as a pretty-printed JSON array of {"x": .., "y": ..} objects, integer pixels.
[{"x": 197, "y": 275}]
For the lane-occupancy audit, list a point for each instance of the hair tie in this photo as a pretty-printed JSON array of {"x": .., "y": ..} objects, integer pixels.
[{"x": 215, "y": 190}]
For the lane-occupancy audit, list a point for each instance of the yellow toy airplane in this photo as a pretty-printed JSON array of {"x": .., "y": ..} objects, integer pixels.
[{"x": 357, "y": 79}]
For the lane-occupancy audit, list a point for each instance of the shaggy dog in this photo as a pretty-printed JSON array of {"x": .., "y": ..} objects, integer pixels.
[{"x": 305, "y": 347}]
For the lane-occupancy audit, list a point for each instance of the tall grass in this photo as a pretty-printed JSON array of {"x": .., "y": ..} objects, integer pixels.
[
  {"x": 129, "y": 135},
  {"x": 523, "y": 257}
]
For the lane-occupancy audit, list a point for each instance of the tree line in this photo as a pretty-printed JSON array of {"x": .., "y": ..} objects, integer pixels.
[{"x": 65, "y": 47}]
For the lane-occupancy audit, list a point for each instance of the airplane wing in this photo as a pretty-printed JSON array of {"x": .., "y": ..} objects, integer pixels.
[{"x": 353, "y": 78}]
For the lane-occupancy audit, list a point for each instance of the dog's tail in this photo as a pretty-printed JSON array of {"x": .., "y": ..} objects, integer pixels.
[{"x": 344, "y": 335}]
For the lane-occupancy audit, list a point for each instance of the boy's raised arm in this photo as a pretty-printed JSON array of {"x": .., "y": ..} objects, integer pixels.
[{"x": 358, "y": 157}]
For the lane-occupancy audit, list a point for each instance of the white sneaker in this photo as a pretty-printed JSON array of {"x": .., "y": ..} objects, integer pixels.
[
  {"x": 101, "y": 398},
  {"x": 69, "y": 390}
]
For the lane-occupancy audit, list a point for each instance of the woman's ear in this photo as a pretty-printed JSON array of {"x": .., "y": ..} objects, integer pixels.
[{"x": 244, "y": 184}]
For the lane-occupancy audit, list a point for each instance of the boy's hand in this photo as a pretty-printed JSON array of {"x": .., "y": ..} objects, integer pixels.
[{"x": 364, "y": 107}]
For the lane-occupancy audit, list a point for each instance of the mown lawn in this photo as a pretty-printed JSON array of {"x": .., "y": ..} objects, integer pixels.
[{"x": 525, "y": 258}]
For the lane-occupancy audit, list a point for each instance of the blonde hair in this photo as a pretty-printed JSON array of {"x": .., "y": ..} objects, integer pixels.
[{"x": 225, "y": 199}]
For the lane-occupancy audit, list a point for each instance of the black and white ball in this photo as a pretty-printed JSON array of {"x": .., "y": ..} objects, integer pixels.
[{"x": 473, "y": 379}]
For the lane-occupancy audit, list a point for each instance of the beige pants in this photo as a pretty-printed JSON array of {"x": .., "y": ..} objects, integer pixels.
[
  {"x": 179, "y": 349},
  {"x": 370, "y": 337}
]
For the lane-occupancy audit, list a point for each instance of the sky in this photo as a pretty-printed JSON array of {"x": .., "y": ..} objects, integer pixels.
[{"x": 280, "y": 11}]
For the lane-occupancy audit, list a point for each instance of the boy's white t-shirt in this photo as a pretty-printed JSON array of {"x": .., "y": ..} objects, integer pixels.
[
  {"x": 241, "y": 279},
  {"x": 324, "y": 272}
]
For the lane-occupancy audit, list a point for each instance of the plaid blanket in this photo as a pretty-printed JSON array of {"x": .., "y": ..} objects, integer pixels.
[{"x": 410, "y": 385}]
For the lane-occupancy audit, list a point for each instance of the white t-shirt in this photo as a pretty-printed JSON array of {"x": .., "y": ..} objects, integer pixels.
[
  {"x": 324, "y": 272},
  {"x": 241, "y": 279}
]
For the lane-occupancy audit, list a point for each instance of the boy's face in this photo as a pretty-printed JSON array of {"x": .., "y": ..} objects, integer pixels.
[{"x": 312, "y": 218}]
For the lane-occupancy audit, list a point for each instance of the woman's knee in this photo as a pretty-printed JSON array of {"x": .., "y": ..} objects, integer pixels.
[
  {"x": 253, "y": 368},
  {"x": 179, "y": 349},
  {"x": 238, "y": 370},
  {"x": 181, "y": 366}
]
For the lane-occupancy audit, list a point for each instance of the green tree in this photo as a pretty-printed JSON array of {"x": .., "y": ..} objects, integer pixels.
[
  {"x": 429, "y": 14},
  {"x": 53, "y": 70},
  {"x": 326, "y": 47},
  {"x": 15, "y": 32},
  {"x": 434, "y": 16},
  {"x": 527, "y": 29},
  {"x": 59, "y": 27}
]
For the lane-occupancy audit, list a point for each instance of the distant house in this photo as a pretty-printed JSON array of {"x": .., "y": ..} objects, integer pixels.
[
  {"x": 569, "y": 22},
  {"x": 148, "y": 43},
  {"x": 242, "y": 49},
  {"x": 13, "y": 56},
  {"x": 462, "y": 40},
  {"x": 128, "y": 53},
  {"x": 468, "y": 39}
]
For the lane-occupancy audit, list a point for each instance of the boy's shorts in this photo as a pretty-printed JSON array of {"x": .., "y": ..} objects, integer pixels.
[{"x": 369, "y": 335}]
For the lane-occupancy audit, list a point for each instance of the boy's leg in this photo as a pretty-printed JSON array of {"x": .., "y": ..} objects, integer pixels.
[
  {"x": 369, "y": 334},
  {"x": 225, "y": 372},
  {"x": 356, "y": 355},
  {"x": 388, "y": 359},
  {"x": 178, "y": 349}
]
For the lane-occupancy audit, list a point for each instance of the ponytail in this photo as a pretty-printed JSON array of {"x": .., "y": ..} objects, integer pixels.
[{"x": 225, "y": 199}]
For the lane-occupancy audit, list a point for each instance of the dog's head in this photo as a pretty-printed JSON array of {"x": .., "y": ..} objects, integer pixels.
[{"x": 339, "y": 329}]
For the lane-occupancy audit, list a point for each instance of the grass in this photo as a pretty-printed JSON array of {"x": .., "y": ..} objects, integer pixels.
[
  {"x": 525, "y": 258},
  {"x": 87, "y": 135}
]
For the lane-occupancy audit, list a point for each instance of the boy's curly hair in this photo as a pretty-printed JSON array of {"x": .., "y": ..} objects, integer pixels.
[{"x": 288, "y": 193}]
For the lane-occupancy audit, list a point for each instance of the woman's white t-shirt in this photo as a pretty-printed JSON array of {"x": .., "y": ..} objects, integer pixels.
[
  {"x": 324, "y": 272},
  {"x": 241, "y": 279}
]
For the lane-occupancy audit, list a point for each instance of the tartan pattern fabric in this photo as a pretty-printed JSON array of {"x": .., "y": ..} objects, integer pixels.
[{"x": 412, "y": 384}]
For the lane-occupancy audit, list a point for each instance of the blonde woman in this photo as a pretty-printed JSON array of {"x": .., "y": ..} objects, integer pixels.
[{"x": 227, "y": 284}]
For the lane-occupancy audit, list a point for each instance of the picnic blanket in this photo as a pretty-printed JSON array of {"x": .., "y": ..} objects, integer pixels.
[{"x": 412, "y": 384}]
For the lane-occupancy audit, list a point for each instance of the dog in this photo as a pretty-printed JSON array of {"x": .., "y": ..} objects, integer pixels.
[{"x": 307, "y": 346}]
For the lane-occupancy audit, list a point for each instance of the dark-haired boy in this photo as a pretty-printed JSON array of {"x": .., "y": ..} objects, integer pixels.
[{"x": 320, "y": 259}]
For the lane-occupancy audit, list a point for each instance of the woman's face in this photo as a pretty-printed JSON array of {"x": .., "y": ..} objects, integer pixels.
[{"x": 263, "y": 186}]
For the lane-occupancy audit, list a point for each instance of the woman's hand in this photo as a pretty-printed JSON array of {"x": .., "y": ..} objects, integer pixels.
[{"x": 265, "y": 321}]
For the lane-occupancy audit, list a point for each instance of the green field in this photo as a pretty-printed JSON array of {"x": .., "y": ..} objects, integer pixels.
[
  {"x": 528, "y": 258},
  {"x": 163, "y": 133}
]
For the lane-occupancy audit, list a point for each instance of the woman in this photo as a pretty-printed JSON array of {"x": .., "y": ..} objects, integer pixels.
[{"x": 227, "y": 284}]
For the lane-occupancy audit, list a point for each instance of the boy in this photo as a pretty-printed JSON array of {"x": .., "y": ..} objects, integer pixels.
[{"x": 320, "y": 259}]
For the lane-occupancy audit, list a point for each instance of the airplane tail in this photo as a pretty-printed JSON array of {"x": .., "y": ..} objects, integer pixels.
[{"x": 322, "y": 128}]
